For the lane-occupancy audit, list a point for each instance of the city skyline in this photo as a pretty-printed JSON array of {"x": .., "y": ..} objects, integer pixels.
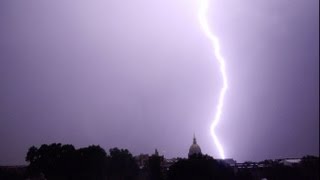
[{"x": 141, "y": 75}]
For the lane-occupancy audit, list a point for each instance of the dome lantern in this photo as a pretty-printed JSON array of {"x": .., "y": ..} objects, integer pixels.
[{"x": 194, "y": 148}]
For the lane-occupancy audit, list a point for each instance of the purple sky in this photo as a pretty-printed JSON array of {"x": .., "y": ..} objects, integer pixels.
[{"x": 141, "y": 75}]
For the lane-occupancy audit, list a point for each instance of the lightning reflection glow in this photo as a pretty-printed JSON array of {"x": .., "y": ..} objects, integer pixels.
[{"x": 205, "y": 27}]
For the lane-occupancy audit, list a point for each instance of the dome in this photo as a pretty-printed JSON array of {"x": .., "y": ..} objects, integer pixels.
[{"x": 194, "y": 148}]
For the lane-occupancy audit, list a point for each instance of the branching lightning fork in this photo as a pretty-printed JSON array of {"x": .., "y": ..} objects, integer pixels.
[{"x": 215, "y": 42}]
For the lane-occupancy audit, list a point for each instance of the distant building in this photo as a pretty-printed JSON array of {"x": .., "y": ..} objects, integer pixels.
[
  {"x": 169, "y": 162},
  {"x": 156, "y": 153},
  {"x": 290, "y": 161},
  {"x": 142, "y": 160},
  {"x": 194, "y": 148},
  {"x": 229, "y": 161}
]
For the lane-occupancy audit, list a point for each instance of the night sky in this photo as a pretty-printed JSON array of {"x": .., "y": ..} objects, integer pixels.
[{"x": 142, "y": 75}]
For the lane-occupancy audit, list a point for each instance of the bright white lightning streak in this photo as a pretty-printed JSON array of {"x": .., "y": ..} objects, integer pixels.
[{"x": 215, "y": 42}]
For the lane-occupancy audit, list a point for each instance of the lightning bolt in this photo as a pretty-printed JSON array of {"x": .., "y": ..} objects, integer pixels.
[{"x": 215, "y": 42}]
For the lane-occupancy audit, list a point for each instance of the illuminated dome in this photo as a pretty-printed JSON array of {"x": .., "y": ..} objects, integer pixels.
[{"x": 194, "y": 148}]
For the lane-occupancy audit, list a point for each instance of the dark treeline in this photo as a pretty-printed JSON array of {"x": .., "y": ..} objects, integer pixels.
[
  {"x": 202, "y": 167},
  {"x": 307, "y": 169},
  {"x": 64, "y": 162}
]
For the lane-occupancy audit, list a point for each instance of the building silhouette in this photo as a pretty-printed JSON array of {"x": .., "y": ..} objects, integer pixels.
[{"x": 194, "y": 148}]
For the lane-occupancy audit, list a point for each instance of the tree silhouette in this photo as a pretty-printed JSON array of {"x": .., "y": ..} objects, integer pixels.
[
  {"x": 122, "y": 164},
  {"x": 58, "y": 161},
  {"x": 310, "y": 167},
  {"x": 199, "y": 168},
  {"x": 92, "y": 162},
  {"x": 154, "y": 167},
  {"x": 64, "y": 162}
]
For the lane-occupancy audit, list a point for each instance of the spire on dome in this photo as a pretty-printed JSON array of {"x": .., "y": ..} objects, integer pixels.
[
  {"x": 194, "y": 139},
  {"x": 194, "y": 148}
]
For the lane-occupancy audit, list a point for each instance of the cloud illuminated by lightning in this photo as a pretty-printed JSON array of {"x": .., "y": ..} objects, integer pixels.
[{"x": 216, "y": 47}]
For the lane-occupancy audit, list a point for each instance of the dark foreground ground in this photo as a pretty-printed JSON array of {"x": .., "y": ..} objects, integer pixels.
[{"x": 64, "y": 162}]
